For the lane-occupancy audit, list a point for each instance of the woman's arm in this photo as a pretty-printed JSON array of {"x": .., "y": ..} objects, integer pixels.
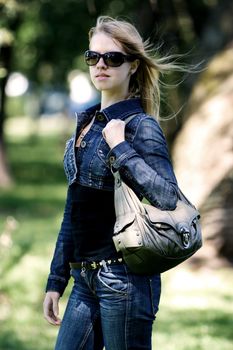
[
  {"x": 146, "y": 165},
  {"x": 63, "y": 254}
]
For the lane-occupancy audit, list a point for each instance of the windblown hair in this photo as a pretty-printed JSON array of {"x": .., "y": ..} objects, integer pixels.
[{"x": 145, "y": 82}]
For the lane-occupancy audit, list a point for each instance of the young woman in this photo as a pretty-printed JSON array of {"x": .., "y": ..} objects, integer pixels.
[{"x": 109, "y": 306}]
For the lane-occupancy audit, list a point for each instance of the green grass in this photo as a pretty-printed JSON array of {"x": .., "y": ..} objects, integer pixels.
[
  {"x": 196, "y": 307},
  {"x": 35, "y": 203},
  {"x": 195, "y": 311}
]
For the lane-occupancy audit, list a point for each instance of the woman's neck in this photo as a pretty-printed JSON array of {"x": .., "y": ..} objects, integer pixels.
[{"x": 108, "y": 100}]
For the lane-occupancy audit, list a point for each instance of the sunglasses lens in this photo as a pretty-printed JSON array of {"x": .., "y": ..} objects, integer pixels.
[
  {"x": 91, "y": 58},
  {"x": 111, "y": 59},
  {"x": 114, "y": 59}
]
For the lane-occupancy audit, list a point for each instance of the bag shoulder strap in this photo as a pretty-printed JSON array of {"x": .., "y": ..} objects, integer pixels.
[
  {"x": 184, "y": 199},
  {"x": 128, "y": 119}
]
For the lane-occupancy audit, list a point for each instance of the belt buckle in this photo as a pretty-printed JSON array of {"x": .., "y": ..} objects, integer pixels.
[{"x": 93, "y": 265}]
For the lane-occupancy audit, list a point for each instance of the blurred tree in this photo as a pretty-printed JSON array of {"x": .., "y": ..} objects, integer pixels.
[
  {"x": 196, "y": 28},
  {"x": 5, "y": 46},
  {"x": 9, "y": 22},
  {"x": 207, "y": 175}
]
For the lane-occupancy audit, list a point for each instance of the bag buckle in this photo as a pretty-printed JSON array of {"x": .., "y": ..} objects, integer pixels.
[
  {"x": 185, "y": 234},
  {"x": 185, "y": 239}
]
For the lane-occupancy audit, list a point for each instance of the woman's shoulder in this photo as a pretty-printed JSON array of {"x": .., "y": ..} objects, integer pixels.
[
  {"x": 147, "y": 126},
  {"x": 144, "y": 120}
]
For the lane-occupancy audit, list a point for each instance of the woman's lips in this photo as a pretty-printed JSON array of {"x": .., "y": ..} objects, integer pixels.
[{"x": 102, "y": 76}]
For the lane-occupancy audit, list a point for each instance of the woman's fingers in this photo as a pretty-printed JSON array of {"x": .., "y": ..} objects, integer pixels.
[
  {"x": 114, "y": 132},
  {"x": 51, "y": 308}
]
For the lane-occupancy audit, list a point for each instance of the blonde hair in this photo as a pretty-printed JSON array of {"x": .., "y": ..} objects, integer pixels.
[{"x": 145, "y": 82}]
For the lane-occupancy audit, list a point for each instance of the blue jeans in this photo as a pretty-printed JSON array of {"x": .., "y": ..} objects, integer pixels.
[{"x": 110, "y": 307}]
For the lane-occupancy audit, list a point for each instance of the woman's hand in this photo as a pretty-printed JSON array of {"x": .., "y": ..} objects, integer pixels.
[
  {"x": 114, "y": 132},
  {"x": 51, "y": 308}
]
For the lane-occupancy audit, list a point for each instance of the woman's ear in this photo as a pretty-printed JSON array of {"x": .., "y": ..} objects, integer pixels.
[{"x": 134, "y": 66}]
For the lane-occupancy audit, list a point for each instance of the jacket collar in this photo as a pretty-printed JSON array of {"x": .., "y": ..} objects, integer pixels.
[
  {"x": 120, "y": 110},
  {"x": 123, "y": 109}
]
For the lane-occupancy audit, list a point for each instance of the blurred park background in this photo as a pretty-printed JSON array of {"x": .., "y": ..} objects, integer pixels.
[{"x": 43, "y": 80}]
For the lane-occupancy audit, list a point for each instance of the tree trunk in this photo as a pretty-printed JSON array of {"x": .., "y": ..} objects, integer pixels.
[
  {"x": 5, "y": 177},
  {"x": 203, "y": 158}
]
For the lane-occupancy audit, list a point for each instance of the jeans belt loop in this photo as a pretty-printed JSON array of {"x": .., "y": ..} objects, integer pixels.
[{"x": 103, "y": 263}]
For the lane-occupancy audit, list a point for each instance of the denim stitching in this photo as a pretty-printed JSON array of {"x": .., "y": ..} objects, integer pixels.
[
  {"x": 127, "y": 308},
  {"x": 89, "y": 331},
  {"x": 154, "y": 308}
]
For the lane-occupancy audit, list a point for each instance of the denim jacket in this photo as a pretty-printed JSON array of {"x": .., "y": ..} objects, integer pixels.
[{"x": 142, "y": 160}]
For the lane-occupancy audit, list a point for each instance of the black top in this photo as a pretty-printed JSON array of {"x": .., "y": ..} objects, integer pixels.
[{"x": 93, "y": 218}]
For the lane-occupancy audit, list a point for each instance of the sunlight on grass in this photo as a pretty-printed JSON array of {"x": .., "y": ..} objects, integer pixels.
[
  {"x": 25, "y": 126},
  {"x": 192, "y": 284},
  {"x": 194, "y": 310}
]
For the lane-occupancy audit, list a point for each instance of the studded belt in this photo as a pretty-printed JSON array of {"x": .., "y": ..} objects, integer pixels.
[{"x": 93, "y": 265}]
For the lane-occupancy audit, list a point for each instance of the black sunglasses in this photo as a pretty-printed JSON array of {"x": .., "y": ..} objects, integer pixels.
[{"x": 111, "y": 59}]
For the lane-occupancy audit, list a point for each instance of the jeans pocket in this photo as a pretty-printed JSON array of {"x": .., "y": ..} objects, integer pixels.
[
  {"x": 114, "y": 280},
  {"x": 155, "y": 290}
]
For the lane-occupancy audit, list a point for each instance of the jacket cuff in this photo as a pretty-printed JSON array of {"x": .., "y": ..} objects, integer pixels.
[
  {"x": 120, "y": 154},
  {"x": 56, "y": 285}
]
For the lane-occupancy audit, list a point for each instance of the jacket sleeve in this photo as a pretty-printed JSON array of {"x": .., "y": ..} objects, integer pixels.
[
  {"x": 146, "y": 165},
  {"x": 63, "y": 254}
]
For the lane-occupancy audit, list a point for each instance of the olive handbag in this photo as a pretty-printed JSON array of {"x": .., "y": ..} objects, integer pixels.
[{"x": 153, "y": 240}]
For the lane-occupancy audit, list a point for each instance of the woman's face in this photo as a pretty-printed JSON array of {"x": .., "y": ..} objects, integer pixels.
[{"x": 113, "y": 81}]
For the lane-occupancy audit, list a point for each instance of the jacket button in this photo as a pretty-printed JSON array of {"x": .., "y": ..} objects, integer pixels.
[
  {"x": 83, "y": 144},
  {"x": 112, "y": 159},
  {"x": 100, "y": 117}
]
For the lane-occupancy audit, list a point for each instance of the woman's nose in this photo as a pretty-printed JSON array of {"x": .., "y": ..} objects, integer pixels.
[{"x": 101, "y": 63}]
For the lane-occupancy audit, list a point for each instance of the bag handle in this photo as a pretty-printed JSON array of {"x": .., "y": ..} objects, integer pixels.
[
  {"x": 128, "y": 119},
  {"x": 184, "y": 199}
]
